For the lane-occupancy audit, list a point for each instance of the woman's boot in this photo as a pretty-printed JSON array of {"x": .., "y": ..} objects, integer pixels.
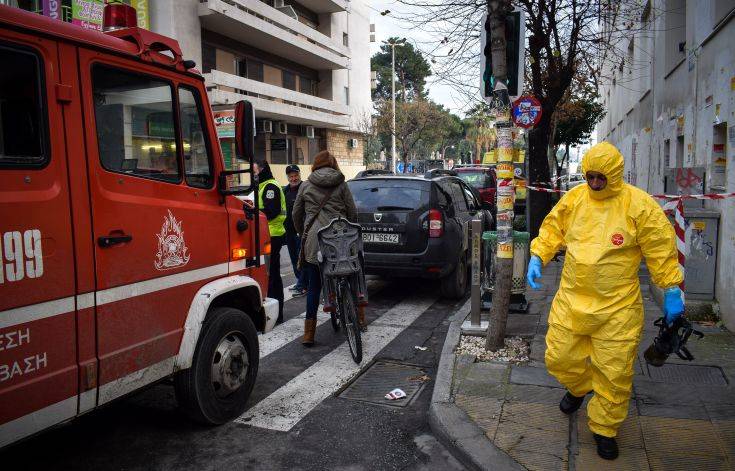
[
  {"x": 361, "y": 318},
  {"x": 309, "y": 331}
]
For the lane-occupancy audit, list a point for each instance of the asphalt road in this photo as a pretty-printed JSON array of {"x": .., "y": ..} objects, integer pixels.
[{"x": 296, "y": 417}]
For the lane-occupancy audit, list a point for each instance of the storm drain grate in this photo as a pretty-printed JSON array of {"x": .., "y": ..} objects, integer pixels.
[
  {"x": 687, "y": 374},
  {"x": 383, "y": 377}
]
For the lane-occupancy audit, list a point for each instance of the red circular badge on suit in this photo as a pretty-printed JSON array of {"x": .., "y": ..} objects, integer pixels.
[{"x": 618, "y": 239}]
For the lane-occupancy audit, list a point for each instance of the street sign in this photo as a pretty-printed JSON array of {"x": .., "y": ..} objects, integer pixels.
[{"x": 526, "y": 111}]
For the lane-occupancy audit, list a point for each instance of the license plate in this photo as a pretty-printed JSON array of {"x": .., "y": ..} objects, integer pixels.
[{"x": 380, "y": 238}]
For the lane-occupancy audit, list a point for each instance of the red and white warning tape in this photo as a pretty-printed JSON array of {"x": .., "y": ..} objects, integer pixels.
[{"x": 545, "y": 190}]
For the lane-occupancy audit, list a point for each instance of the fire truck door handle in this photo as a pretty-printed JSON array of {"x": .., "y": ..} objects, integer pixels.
[{"x": 109, "y": 241}]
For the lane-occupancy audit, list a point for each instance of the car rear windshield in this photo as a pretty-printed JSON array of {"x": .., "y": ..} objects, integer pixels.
[
  {"x": 477, "y": 179},
  {"x": 385, "y": 195}
]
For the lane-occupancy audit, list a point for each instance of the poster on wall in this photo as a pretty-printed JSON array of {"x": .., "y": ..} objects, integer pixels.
[
  {"x": 224, "y": 121},
  {"x": 87, "y": 13},
  {"x": 51, "y": 8}
]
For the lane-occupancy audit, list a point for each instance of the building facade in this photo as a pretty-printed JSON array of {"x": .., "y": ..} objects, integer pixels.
[
  {"x": 303, "y": 64},
  {"x": 669, "y": 91}
]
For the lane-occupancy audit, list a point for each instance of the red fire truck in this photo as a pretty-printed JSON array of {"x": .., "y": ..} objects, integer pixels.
[{"x": 125, "y": 256}]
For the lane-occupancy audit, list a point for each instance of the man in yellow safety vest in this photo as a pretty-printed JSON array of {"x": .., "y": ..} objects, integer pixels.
[{"x": 272, "y": 202}]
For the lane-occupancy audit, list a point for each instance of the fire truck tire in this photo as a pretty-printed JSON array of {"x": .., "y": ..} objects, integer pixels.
[
  {"x": 216, "y": 388},
  {"x": 454, "y": 285}
]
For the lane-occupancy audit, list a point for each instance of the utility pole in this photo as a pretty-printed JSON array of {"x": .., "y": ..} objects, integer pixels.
[
  {"x": 393, "y": 43},
  {"x": 505, "y": 192}
]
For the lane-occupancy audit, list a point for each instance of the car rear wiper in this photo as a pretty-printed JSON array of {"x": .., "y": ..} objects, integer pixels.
[{"x": 393, "y": 208}]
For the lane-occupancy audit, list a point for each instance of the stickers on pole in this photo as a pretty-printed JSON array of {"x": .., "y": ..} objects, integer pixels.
[{"x": 526, "y": 111}]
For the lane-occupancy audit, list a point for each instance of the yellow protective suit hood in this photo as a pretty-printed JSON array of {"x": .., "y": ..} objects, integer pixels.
[
  {"x": 606, "y": 159},
  {"x": 596, "y": 317}
]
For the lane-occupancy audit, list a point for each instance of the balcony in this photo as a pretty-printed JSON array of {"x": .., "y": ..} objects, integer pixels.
[
  {"x": 254, "y": 23},
  {"x": 275, "y": 103},
  {"x": 325, "y": 6}
]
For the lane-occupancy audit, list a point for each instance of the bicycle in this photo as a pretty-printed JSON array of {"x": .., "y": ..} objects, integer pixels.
[{"x": 343, "y": 281}]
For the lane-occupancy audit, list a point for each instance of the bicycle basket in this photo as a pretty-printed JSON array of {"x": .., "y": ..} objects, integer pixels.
[{"x": 340, "y": 244}]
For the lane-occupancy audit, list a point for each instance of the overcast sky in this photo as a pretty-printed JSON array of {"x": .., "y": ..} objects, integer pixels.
[{"x": 386, "y": 26}]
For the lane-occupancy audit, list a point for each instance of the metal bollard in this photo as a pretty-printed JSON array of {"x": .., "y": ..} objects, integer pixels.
[{"x": 476, "y": 292}]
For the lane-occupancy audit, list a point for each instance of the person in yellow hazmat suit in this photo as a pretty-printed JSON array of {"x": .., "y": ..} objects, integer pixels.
[{"x": 596, "y": 317}]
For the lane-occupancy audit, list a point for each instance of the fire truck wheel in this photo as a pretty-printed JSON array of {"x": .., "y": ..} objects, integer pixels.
[{"x": 217, "y": 386}]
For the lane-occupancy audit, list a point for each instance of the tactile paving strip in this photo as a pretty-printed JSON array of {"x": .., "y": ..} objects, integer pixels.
[
  {"x": 383, "y": 377},
  {"x": 687, "y": 374}
]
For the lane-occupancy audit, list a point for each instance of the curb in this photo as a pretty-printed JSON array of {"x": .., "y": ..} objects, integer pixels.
[{"x": 454, "y": 429}]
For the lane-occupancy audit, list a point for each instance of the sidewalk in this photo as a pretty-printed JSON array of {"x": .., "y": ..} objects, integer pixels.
[{"x": 497, "y": 416}]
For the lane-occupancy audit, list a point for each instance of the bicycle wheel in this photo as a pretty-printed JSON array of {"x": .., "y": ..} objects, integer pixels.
[{"x": 349, "y": 321}]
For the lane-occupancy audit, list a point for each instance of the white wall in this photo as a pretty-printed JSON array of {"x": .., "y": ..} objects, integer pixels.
[
  {"x": 179, "y": 19},
  {"x": 693, "y": 87}
]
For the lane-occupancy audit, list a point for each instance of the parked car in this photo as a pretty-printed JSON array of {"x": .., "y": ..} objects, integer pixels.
[
  {"x": 570, "y": 181},
  {"x": 418, "y": 226},
  {"x": 373, "y": 172},
  {"x": 482, "y": 178}
]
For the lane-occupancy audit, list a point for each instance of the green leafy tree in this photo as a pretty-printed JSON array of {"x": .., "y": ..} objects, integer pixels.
[
  {"x": 576, "y": 120},
  {"x": 412, "y": 69}
]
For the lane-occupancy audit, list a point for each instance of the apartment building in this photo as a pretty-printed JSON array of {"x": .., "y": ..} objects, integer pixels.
[
  {"x": 669, "y": 91},
  {"x": 304, "y": 64}
]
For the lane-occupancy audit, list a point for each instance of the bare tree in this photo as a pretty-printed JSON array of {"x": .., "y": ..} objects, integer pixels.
[{"x": 565, "y": 39}]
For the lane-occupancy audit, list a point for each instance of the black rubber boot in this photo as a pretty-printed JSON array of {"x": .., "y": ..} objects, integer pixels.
[
  {"x": 570, "y": 403},
  {"x": 607, "y": 447}
]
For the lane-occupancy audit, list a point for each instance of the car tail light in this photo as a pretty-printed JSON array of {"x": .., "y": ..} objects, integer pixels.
[
  {"x": 238, "y": 254},
  {"x": 436, "y": 223},
  {"x": 119, "y": 16}
]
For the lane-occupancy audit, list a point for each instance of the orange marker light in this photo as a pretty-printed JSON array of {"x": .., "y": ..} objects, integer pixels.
[
  {"x": 239, "y": 253},
  {"x": 267, "y": 248}
]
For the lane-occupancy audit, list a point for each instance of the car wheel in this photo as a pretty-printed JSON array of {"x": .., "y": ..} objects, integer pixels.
[
  {"x": 216, "y": 387},
  {"x": 454, "y": 285}
]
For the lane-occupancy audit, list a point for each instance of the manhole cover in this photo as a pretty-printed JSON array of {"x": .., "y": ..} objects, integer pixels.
[
  {"x": 383, "y": 377},
  {"x": 687, "y": 374}
]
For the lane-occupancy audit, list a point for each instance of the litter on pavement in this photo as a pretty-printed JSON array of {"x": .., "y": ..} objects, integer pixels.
[
  {"x": 423, "y": 349},
  {"x": 395, "y": 394}
]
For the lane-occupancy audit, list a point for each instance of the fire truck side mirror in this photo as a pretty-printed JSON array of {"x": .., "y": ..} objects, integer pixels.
[
  {"x": 245, "y": 131},
  {"x": 242, "y": 181}
]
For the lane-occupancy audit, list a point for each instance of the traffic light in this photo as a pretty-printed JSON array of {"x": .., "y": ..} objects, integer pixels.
[{"x": 515, "y": 31}]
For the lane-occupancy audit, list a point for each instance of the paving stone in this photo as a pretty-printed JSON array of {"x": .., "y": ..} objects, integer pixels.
[
  {"x": 484, "y": 411},
  {"x": 538, "y": 348},
  {"x": 630, "y": 459},
  {"x": 535, "y": 461},
  {"x": 539, "y": 416},
  {"x": 694, "y": 437},
  {"x": 536, "y": 394},
  {"x": 523, "y": 325},
  {"x": 454, "y": 420},
  {"x": 665, "y": 460},
  {"x": 653, "y": 392},
  {"x": 488, "y": 372},
  {"x": 629, "y": 433},
  {"x": 535, "y": 376},
  {"x": 726, "y": 433},
  {"x": 720, "y": 411},
  {"x": 513, "y": 438},
  {"x": 674, "y": 411}
]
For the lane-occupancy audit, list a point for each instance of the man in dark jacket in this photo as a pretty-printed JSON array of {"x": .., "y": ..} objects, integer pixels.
[
  {"x": 272, "y": 202},
  {"x": 293, "y": 241}
]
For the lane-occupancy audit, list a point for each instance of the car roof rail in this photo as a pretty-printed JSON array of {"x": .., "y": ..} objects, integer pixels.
[
  {"x": 372, "y": 172},
  {"x": 439, "y": 172}
]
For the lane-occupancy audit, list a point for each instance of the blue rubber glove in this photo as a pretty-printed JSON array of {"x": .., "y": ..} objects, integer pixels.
[
  {"x": 534, "y": 272},
  {"x": 673, "y": 305}
]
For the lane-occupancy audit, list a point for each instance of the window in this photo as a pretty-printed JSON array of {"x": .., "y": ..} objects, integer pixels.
[
  {"x": 255, "y": 70},
  {"x": 345, "y": 40},
  {"x": 470, "y": 197},
  {"x": 193, "y": 141},
  {"x": 289, "y": 80},
  {"x": 307, "y": 85},
  {"x": 385, "y": 195},
  {"x": 135, "y": 121},
  {"x": 209, "y": 58},
  {"x": 22, "y": 110},
  {"x": 460, "y": 204}
]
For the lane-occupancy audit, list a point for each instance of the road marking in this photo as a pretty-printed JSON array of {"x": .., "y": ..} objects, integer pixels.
[
  {"x": 287, "y": 332},
  {"x": 283, "y": 409},
  {"x": 293, "y": 328}
]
